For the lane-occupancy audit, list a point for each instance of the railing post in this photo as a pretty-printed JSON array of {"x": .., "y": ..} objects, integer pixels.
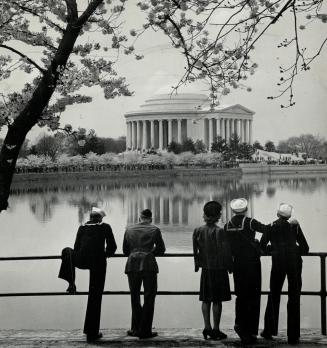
[{"x": 323, "y": 293}]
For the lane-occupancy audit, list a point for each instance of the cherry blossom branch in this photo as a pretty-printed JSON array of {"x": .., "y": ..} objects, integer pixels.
[{"x": 26, "y": 9}]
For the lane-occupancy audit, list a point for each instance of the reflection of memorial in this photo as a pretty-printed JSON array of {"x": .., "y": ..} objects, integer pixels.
[
  {"x": 42, "y": 206},
  {"x": 176, "y": 203},
  {"x": 173, "y": 209}
]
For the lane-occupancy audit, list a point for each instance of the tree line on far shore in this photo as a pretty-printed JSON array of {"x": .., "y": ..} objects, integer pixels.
[{"x": 86, "y": 151}]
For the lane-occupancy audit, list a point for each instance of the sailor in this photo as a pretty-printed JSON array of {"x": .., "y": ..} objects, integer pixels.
[
  {"x": 241, "y": 231},
  {"x": 286, "y": 243}
]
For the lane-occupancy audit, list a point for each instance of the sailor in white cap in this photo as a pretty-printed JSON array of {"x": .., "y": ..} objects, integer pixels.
[
  {"x": 287, "y": 244},
  {"x": 94, "y": 243},
  {"x": 98, "y": 211},
  {"x": 241, "y": 231}
]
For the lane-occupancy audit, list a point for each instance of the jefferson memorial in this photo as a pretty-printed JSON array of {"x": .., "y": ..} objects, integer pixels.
[{"x": 166, "y": 117}]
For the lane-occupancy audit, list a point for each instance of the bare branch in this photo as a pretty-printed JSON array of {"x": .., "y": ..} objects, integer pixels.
[
  {"x": 279, "y": 14},
  {"x": 25, "y": 57}
]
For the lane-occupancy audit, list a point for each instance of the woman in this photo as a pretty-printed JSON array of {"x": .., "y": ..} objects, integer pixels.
[{"x": 212, "y": 254}]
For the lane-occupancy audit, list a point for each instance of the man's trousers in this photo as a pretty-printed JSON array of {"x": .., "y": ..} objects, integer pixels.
[
  {"x": 142, "y": 316},
  {"x": 96, "y": 286},
  {"x": 280, "y": 269},
  {"x": 247, "y": 283}
]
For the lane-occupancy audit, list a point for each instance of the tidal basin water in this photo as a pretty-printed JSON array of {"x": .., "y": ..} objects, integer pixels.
[{"x": 43, "y": 218}]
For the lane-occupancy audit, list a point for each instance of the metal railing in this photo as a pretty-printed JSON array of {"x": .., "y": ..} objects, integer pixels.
[{"x": 322, "y": 293}]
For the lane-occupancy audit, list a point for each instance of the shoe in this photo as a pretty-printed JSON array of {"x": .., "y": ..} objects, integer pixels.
[
  {"x": 254, "y": 338},
  {"x": 248, "y": 339},
  {"x": 93, "y": 338},
  {"x": 293, "y": 341},
  {"x": 132, "y": 333},
  {"x": 218, "y": 335},
  {"x": 148, "y": 335},
  {"x": 206, "y": 333},
  {"x": 71, "y": 289},
  {"x": 238, "y": 330},
  {"x": 266, "y": 335},
  {"x": 245, "y": 337}
]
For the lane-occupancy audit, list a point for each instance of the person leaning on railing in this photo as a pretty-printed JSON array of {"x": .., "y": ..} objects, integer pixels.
[
  {"x": 142, "y": 242},
  {"x": 90, "y": 252},
  {"x": 286, "y": 243}
]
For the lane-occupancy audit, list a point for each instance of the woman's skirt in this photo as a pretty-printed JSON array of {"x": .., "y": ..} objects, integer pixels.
[{"x": 214, "y": 286}]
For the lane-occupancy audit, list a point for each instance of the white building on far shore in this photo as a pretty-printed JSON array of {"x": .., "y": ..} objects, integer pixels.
[
  {"x": 165, "y": 118},
  {"x": 266, "y": 156}
]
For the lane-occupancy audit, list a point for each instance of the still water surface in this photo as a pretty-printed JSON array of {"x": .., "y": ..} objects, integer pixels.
[{"x": 43, "y": 218}]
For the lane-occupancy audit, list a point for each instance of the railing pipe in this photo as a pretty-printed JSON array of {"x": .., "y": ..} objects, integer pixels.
[{"x": 323, "y": 293}]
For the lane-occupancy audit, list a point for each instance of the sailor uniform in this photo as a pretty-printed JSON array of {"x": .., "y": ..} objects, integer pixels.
[{"x": 287, "y": 244}]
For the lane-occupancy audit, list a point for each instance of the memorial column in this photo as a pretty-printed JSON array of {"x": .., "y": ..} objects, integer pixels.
[
  {"x": 222, "y": 123},
  {"x": 233, "y": 126},
  {"x": 145, "y": 138},
  {"x": 179, "y": 131},
  {"x": 238, "y": 129},
  {"x": 246, "y": 131},
  {"x": 218, "y": 129},
  {"x": 250, "y": 133},
  {"x": 138, "y": 134},
  {"x": 160, "y": 135},
  {"x": 210, "y": 137},
  {"x": 152, "y": 145},
  {"x": 227, "y": 130},
  {"x": 170, "y": 131}
]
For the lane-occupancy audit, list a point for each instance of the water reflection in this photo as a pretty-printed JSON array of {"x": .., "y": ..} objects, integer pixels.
[{"x": 173, "y": 202}]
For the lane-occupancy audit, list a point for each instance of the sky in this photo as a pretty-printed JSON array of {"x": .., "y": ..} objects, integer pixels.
[{"x": 163, "y": 65}]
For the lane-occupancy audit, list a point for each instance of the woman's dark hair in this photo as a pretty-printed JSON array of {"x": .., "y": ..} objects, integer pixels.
[
  {"x": 212, "y": 208},
  {"x": 212, "y": 212}
]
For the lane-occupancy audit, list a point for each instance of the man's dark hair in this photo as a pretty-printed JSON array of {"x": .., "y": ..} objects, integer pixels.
[{"x": 146, "y": 214}]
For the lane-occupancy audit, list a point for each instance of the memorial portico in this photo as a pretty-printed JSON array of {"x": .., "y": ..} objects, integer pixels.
[{"x": 165, "y": 118}]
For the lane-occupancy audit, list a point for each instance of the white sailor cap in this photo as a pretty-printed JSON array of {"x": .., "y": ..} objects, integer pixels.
[
  {"x": 285, "y": 210},
  {"x": 98, "y": 211},
  {"x": 239, "y": 205}
]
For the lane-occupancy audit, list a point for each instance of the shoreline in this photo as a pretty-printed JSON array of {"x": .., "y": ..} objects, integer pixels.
[{"x": 177, "y": 172}]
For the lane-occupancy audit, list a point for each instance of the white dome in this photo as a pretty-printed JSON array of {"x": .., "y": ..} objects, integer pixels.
[{"x": 176, "y": 102}]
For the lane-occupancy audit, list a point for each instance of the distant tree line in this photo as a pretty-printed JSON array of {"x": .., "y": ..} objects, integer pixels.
[
  {"x": 80, "y": 143},
  {"x": 231, "y": 150},
  {"x": 312, "y": 146}
]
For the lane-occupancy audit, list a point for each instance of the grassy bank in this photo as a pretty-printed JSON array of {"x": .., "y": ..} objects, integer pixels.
[{"x": 123, "y": 175}]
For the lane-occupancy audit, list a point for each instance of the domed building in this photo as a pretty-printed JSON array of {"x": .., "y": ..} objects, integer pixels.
[{"x": 166, "y": 117}]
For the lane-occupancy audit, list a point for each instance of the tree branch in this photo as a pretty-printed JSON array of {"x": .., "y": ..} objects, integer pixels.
[
  {"x": 89, "y": 11},
  {"x": 26, "y": 9},
  {"x": 279, "y": 14},
  {"x": 25, "y": 57}
]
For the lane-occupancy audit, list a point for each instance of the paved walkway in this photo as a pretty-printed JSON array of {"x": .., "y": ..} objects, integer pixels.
[{"x": 166, "y": 338}]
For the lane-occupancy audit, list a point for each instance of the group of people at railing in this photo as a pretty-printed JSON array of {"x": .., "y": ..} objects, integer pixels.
[{"x": 217, "y": 250}]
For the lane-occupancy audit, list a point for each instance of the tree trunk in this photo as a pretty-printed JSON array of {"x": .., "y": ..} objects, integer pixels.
[{"x": 31, "y": 114}]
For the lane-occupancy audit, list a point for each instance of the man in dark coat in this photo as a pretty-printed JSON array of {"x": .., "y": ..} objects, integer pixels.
[
  {"x": 240, "y": 231},
  {"x": 90, "y": 253},
  {"x": 142, "y": 242},
  {"x": 287, "y": 244}
]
